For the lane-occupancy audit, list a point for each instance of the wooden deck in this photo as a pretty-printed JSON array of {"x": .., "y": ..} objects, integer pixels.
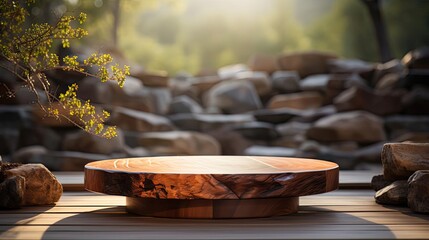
[{"x": 343, "y": 214}]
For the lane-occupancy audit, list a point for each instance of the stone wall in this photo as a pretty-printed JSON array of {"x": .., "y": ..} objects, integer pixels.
[{"x": 310, "y": 104}]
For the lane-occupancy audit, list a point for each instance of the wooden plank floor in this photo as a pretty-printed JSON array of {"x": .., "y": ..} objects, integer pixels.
[{"x": 343, "y": 214}]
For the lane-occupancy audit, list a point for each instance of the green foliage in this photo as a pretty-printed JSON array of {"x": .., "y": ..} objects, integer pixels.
[{"x": 30, "y": 50}]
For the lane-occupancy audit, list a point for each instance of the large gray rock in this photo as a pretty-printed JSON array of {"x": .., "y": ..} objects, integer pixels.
[
  {"x": 300, "y": 101},
  {"x": 231, "y": 142},
  {"x": 233, "y": 97},
  {"x": 292, "y": 134},
  {"x": 132, "y": 120},
  {"x": 276, "y": 116},
  {"x": 285, "y": 81},
  {"x": 350, "y": 66},
  {"x": 184, "y": 104},
  {"x": 133, "y": 94},
  {"x": 82, "y": 141},
  {"x": 161, "y": 99},
  {"x": 306, "y": 63},
  {"x": 401, "y": 160},
  {"x": 394, "y": 194},
  {"x": 30, "y": 154},
  {"x": 399, "y": 124},
  {"x": 359, "y": 126},
  {"x": 201, "y": 85},
  {"x": 260, "y": 81},
  {"x": 73, "y": 161},
  {"x": 12, "y": 192},
  {"x": 208, "y": 122},
  {"x": 257, "y": 130},
  {"x": 359, "y": 98},
  {"x": 39, "y": 135},
  {"x": 41, "y": 186},
  {"x": 340, "y": 82},
  {"x": 418, "y": 191},
  {"x": 179, "y": 143},
  {"x": 270, "y": 151},
  {"x": 317, "y": 82}
]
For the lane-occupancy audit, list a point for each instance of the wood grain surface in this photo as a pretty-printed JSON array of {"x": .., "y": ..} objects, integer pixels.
[{"x": 211, "y": 177}]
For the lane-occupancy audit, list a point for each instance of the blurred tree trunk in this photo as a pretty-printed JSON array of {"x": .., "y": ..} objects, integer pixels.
[
  {"x": 116, "y": 17},
  {"x": 374, "y": 9}
]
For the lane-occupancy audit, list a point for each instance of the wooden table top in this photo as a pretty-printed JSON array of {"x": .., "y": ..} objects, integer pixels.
[
  {"x": 212, "y": 165},
  {"x": 211, "y": 177},
  {"x": 342, "y": 214}
]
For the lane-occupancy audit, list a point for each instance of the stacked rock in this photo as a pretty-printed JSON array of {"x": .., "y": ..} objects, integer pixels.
[
  {"x": 405, "y": 179},
  {"x": 304, "y": 104}
]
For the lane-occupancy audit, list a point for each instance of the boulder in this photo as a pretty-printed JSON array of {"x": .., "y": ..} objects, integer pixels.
[
  {"x": 416, "y": 102},
  {"x": 417, "y": 59},
  {"x": 12, "y": 192},
  {"x": 350, "y": 66},
  {"x": 285, "y": 81},
  {"x": 418, "y": 191},
  {"x": 184, "y": 104},
  {"x": 132, "y": 120},
  {"x": 276, "y": 116},
  {"x": 312, "y": 149},
  {"x": 359, "y": 126},
  {"x": 270, "y": 151},
  {"x": 312, "y": 115},
  {"x": 399, "y": 124},
  {"x": 260, "y": 81},
  {"x": 233, "y": 97},
  {"x": 39, "y": 135},
  {"x": 306, "y": 63},
  {"x": 292, "y": 128},
  {"x": 394, "y": 194},
  {"x": 179, "y": 143},
  {"x": 292, "y": 134},
  {"x": 388, "y": 82},
  {"x": 379, "y": 182},
  {"x": 401, "y": 160},
  {"x": 203, "y": 84},
  {"x": 82, "y": 141},
  {"x": 359, "y": 98},
  {"x": 394, "y": 66},
  {"x": 132, "y": 95},
  {"x": 338, "y": 83},
  {"x": 301, "y": 101},
  {"x": 160, "y": 98},
  {"x": 370, "y": 153},
  {"x": 208, "y": 122},
  {"x": 257, "y": 130},
  {"x": 230, "y": 71},
  {"x": 263, "y": 63},
  {"x": 30, "y": 154},
  {"x": 73, "y": 161},
  {"x": 23, "y": 95},
  {"x": 231, "y": 142},
  {"x": 317, "y": 82},
  {"x": 152, "y": 79},
  {"x": 41, "y": 186}
]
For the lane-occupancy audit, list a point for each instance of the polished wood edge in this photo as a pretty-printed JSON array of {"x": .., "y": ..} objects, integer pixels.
[{"x": 212, "y": 209}]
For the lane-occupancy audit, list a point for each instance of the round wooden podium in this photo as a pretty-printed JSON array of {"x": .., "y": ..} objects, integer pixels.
[{"x": 211, "y": 186}]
